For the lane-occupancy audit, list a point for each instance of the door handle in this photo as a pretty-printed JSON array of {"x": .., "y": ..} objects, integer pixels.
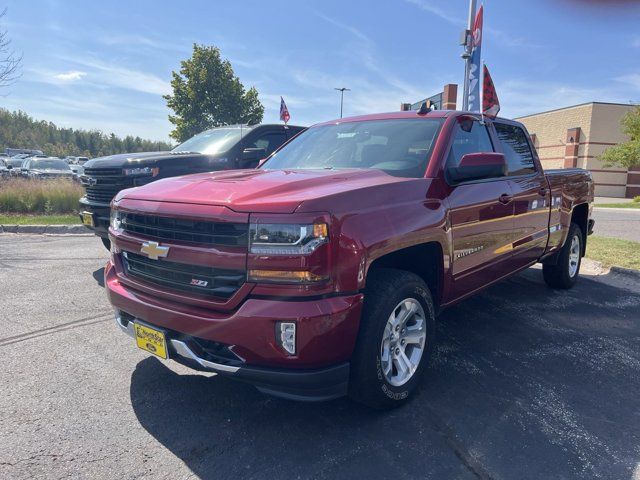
[{"x": 505, "y": 198}]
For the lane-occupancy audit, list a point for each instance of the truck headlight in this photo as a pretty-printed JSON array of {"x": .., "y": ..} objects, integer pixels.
[
  {"x": 140, "y": 171},
  {"x": 115, "y": 220},
  {"x": 286, "y": 239}
]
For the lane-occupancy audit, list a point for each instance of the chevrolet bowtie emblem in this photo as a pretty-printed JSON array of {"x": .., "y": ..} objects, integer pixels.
[{"x": 154, "y": 251}]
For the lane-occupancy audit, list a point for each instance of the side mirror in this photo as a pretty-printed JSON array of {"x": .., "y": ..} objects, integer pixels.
[
  {"x": 476, "y": 166},
  {"x": 251, "y": 156}
]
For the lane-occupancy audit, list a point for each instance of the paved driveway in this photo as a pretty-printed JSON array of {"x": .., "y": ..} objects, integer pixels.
[
  {"x": 617, "y": 223},
  {"x": 526, "y": 383}
]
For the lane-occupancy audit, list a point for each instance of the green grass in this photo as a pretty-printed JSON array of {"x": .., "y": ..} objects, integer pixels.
[
  {"x": 613, "y": 251},
  {"x": 618, "y": 205},
  {"x": 39, "y": 219},
  {"x": 45, "y": 197}
]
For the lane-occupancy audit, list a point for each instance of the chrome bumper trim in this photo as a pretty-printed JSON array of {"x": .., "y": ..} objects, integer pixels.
[
  {"x": 181, "y": 349},
  {"x": 128, "y": 329}
]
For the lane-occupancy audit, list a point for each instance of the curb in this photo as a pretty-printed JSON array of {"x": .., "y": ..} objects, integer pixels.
[
  {"x": 627, "y": 272},
  {"x": 42, "y": 229}
]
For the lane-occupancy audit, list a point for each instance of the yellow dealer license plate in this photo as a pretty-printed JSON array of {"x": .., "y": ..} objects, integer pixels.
[
  {"x": 87, "y": 219},
  {"x": 151, "y": 340}
]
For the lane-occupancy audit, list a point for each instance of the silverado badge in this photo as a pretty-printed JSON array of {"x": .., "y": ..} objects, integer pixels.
[{"x": 154, "y": 251}]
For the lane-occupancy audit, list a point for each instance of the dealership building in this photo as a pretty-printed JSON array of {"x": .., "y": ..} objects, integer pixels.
[
  {"x": 576, "y": 136},
  {"x": 570, "y": 137}
]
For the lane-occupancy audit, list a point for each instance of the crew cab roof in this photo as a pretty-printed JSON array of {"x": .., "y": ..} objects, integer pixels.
[{"x": 406, "y": 114}]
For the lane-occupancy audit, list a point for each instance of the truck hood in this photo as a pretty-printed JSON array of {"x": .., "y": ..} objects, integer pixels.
[
  {"x": 260, "y": 191},
  {"x": 142, "y": 159}
]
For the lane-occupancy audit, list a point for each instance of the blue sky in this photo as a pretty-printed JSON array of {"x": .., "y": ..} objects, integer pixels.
[{"x": 105, "y": 65}]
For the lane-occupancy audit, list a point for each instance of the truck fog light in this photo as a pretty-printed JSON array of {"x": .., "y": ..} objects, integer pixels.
[{"x": 286, "y": 336}]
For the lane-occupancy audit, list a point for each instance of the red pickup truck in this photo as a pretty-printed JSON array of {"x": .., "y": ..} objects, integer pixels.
[{"x": 321, "y": 273}]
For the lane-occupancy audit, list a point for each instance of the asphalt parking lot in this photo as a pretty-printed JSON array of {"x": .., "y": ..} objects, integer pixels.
[{"x": 526, "y": 383}]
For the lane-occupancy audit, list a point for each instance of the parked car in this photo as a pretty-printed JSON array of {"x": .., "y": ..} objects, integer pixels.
[
  {"x": 224, "y": 148},
  {"x": 4, "y": 171},
  {"x": 321, "y": 273},
  {"x": 14, "y": 164},
  {"x": 78, "y": 171},
  {"x": 12, "y": 152},
  {"x": 76, "y": 160},
  {"x": 39, "y": 168}
]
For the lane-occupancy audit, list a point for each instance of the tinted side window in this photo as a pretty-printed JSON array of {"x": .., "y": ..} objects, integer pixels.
[
  {"x": 469, "y": 137},
  {"x": 516, "y": 149},
  {"x": 270, "y": 141}
]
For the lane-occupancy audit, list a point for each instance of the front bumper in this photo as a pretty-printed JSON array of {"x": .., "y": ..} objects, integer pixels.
[
  {"x": 326, "y": 333},
  {"x": 306, "y": 385},
  {"x": 101, "y": 213}
]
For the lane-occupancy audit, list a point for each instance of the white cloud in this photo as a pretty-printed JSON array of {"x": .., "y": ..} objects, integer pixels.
[
  {"x": 428, "y": 6},
  {"x": 632, "y": 79},
  {"x": 70, "y": 76},
  {"x": 523, "y": 97},
  {"x": 116, "y": 75}
]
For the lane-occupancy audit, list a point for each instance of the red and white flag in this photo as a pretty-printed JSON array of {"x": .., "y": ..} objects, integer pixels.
[
  {"x": 284, "y": 111},
  {"x": 490, "y": 102}
]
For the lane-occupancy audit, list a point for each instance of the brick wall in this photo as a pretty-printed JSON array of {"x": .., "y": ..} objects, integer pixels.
[{"x": 596, "y": 126}]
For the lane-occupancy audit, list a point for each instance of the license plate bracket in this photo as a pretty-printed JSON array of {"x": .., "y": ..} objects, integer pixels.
[
  {"x": 87, "y": 219},
  {"x": 151, "y": 339}
]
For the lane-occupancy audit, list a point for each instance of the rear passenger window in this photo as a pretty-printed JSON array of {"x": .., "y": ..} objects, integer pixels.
[
  {"x": 470, "y": 136},
  {"x": 516, "y": 149},
  {"x": 270, "y": 141}
]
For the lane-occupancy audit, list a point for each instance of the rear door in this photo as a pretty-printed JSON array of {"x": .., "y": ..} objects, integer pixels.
[
  {"x": 530, "y": 192},
  {"x": 481, "y": 216}
]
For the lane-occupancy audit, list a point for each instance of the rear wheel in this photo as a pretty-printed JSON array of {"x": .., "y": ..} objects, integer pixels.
[
  {"x": 106, "y": 242},
  {"x": 565, "y": 272},
  {"x": 397, "y": 333}
]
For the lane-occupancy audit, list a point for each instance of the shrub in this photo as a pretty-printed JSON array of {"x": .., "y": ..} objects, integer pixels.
[
  {"x": 636, "y": 198},
  {"x": 39, "y": 196}
]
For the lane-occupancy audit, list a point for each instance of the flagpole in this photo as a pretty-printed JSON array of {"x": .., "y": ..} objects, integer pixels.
[{"x": 466, "y": 55}]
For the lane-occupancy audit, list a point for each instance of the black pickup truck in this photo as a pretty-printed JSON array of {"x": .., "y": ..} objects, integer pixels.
[{"x": 222, "y": 148}]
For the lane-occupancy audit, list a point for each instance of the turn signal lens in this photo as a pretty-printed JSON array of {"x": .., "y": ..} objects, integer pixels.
[{"x": 284, "y": 276}]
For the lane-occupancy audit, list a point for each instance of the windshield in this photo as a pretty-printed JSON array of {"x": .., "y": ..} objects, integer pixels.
[
  {"x": 15, "y": 162},
  {"x": 216, "y": 140},
  {"x": 400, "y": 147},
  {"x": 49, "y": 165}
]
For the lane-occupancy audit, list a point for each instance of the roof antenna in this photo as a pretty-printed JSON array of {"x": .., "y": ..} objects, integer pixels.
[{"x": 424, "y": 109}]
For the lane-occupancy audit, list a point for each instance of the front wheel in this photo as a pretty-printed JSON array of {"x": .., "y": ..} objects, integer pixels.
[
  {"x": 565, "y": 272},
  {"x": 396, "y": 338}
]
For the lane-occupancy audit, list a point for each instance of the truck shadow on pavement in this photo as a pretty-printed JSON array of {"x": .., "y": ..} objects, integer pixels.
[{"x": 526, "y": 382}]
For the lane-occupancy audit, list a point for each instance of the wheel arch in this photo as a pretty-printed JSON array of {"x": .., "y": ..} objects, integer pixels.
[
  {"x": 425, "y": 260},
  {"x": 580, "y": 216}
]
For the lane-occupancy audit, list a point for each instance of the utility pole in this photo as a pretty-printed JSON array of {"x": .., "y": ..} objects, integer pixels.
[
  {"x": 466, "y": 55},
  {"x": 342, "y": 90}
]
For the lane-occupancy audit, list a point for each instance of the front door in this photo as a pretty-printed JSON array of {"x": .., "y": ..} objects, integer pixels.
[{"x": 480, "y": 215}]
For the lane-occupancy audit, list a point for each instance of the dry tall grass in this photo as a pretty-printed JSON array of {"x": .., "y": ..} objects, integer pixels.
[{"x": 39, "y": 196}]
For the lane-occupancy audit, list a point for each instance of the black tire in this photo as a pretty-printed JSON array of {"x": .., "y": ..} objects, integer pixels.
[
  {"x": 385, "y": 289},
  {"x": 559, "y": 275},
  {"x": 106, "y": 242}
]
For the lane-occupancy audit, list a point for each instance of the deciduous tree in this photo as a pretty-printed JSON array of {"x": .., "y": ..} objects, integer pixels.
[
  {"x": 207, "y": 93},
  {"x": 626, "y": 154}
]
